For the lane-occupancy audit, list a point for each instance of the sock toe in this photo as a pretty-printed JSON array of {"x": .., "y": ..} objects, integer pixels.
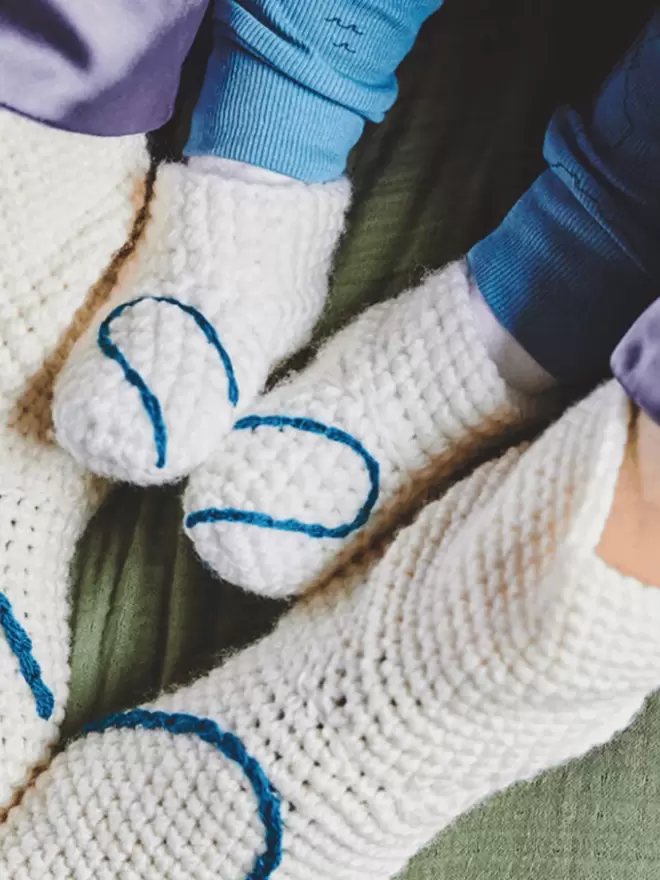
[
  {"x": 327, "y": 459},
  {"x": 149, "y": 394},
  {"x": 314, "y": 481}
]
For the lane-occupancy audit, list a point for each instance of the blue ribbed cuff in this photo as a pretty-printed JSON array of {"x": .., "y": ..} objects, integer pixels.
[
  {"x": 250, "y": 112},
  {"x": 559, "y": 283},
  {"x": 290, "y": 83},
  {"x": 576, "y": 261}
]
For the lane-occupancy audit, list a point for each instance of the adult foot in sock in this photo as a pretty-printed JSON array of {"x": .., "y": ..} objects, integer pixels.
[
  {"x": 67, "y": 205},
  {"x": 321, "y": 462},
  {"x": 229, "y": 280},
  {"x": 487, "y": 644}
]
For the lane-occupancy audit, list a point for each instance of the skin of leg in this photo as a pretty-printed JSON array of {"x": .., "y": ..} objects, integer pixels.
[{"x": 630, "y": 538}]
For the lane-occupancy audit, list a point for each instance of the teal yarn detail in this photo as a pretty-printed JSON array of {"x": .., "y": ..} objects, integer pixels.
[
  {"x": 313, "y": 530},
  {"x": 21, "y": 645},
  {"x": 149, "y": 400},
  {"x": 269, "y": 806}
]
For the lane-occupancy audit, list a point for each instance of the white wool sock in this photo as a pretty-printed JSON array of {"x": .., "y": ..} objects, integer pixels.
[
  {"x": 67, "y": 204},
  {"x": 487, "y": 644},
  {"x": 229, "y": 280},
  {"x": 324, "y": 459}
]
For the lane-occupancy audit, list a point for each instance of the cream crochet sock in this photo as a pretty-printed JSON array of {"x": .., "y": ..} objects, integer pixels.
[
  {"x": 324, "y": 460},
  {"x": 67, "y": 203},
  {"x": 230, "y": 279},
  {"x": 488, "y": 643}
]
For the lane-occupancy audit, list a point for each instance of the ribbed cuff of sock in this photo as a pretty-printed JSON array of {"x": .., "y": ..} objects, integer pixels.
[
  {"x": 250, "y": 112},
  {"x": 559, "y": 283}
]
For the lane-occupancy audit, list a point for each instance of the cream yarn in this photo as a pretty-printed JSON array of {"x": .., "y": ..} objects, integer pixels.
[
  {"x": 325, "y": 459},
  {"x": 67, "y": 204},
  {"x": 230, "y": 279},
  {"x": 486, "y": 645}
]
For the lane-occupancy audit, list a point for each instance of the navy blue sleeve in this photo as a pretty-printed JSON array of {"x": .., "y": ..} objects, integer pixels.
[{"x": 577, "y": 259}]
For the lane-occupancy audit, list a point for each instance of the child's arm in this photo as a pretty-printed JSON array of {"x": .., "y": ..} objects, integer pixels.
[{"x": 575, "y": 262}]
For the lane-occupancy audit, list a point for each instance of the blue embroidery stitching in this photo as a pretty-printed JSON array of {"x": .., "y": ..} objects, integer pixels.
[
  {"x": 345, "y": 27},
  {"x": 149, "y": 399},
  {"x": 21, "y": 644},
  {"x": 314, "y": 530},
  {"x": 270, "y": 811}
]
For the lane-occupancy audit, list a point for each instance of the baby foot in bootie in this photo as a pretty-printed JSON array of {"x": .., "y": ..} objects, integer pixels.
[
  {"x": 327, "y": 458},
  {"x": 229, "y": 280}
]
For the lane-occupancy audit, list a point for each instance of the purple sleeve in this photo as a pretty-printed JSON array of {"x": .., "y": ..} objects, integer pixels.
[
  {"x": 105, "y": 67},
  {"x": 636, "y": 361}
]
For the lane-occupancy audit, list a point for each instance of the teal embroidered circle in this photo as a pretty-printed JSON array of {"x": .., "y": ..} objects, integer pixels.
[
  {"x": 270, "y": 811},
  {"x": 21, "y": 645},
  {"x": 150, "y": 402},
  {"x": 314, "y": 530}
]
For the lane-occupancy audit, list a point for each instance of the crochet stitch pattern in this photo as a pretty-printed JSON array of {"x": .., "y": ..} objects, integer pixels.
[
  {"x": 314, "y": 530},
  {"x": 408, "y": 386},
  {"x": 150, "y": 401},
  {"x": 479, "y": 646},
  {"x": 231, "y": 747},
  {"x": 71, "y": 210},
  {"x": 21, "y": 644},
  {"x": 228, "y": 269}
]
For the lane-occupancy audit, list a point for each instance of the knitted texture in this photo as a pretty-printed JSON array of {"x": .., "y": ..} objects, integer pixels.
[
  {"x": 229, "y": 280},
  {"x": 290, "y": 83},
  {"x": 67, "y": 203},
  {"x": 332, "y": 454},
  {"x": 488, "y": 643}
]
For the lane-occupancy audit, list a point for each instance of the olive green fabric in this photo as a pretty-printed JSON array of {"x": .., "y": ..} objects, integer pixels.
[{"x": 459, "y": 147}]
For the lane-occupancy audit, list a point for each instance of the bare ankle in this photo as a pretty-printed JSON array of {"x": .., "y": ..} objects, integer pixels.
[{"x": 631, "y": 538}]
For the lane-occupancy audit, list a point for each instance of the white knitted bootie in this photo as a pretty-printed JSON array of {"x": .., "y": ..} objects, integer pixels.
[
  {"x": 67, "y": 204},
  {"x": 487, "y": 644},
  {"x": 229, "y": 280},
  {"x": 325, "y": 459}
]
